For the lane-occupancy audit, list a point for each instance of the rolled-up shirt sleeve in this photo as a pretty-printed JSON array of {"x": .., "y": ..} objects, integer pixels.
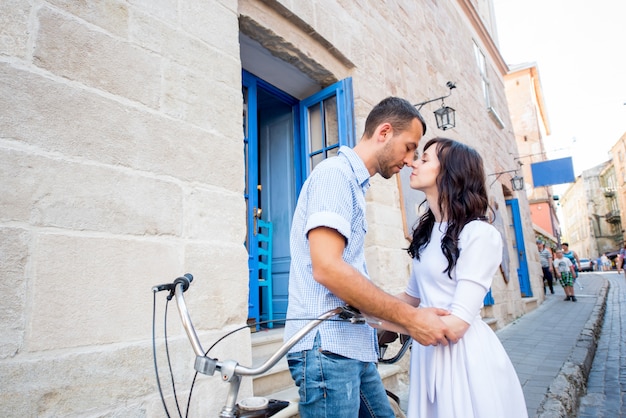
[{"x": 329, "y": 206}]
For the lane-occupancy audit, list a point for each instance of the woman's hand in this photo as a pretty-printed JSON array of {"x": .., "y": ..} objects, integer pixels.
[{"x": 455, "y": 324}]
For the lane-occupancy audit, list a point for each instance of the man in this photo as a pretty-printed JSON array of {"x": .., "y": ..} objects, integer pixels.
[
  {"x": 564, "y": 270},
  {"x": 335, "y": 365},
  {"x": 545, "y": 257},
  {"x": 573, "y": 257}
]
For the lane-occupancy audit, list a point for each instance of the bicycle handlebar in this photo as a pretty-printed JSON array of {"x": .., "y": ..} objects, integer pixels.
[
  {"x": 207, "y": 365},
  {"x": 270, "y": 362},
  {"x": 185, "y": 280},
  {"x": 183, "y": 312}
]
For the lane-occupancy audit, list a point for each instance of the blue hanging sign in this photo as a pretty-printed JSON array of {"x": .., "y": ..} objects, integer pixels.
[{"x": 548, "y": 173}]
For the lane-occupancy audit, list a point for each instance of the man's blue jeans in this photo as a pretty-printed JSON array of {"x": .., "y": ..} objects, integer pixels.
[{"x": 333, "y": 386}]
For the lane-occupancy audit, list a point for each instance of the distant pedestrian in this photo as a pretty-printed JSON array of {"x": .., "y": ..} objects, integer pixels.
[
  {"x": 573, "y": 257},
  {"x": 565, "y": 273},
  {"x": 545, "y": 257},
  {"x": 620, "y": 259},
  {"x": 606, "y": 263}
]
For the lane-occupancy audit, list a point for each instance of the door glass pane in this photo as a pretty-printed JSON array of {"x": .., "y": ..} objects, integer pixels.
[
  {"x": 316, "y": 140},
  {"x": 330, "y": 121},
  {"x": 316, "y": 159},
  {"x": 328, "y": 118}
]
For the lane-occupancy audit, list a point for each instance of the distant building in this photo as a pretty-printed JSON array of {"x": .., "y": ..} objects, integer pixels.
[
  {"x": 618, "y": 154},
  {"x": 590, "y": 213}
]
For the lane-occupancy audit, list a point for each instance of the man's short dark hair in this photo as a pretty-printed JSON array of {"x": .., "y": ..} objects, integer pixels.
[
  {"x": 398, "y": 112},
  {"x": 565, "y": 243}
]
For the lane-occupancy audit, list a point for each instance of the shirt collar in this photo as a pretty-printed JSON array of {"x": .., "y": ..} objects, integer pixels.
[{"x": 358, "y": 167}]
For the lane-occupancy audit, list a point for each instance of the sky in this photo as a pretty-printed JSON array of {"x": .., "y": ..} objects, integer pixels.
[{"x": 579, "y": 47}]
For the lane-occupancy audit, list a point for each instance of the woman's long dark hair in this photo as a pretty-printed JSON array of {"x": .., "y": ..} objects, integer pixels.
[{"x": 462, "y": 198}]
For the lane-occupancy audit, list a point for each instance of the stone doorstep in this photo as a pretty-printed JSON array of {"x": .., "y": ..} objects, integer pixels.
[
  {"x": 530, "y": 304},
  {"x": 265, "y": 343},
  {"x": 275, "y": 379}
]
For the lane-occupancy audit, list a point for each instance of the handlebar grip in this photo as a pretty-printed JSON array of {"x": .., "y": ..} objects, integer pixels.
[{"x": 185, "y": 280}]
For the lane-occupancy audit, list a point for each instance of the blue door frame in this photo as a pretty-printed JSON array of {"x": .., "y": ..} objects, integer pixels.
[{"x": 520, "y": 248}]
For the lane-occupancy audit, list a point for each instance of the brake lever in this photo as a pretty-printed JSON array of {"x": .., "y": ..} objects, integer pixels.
[{"x": 352, "y": 314}]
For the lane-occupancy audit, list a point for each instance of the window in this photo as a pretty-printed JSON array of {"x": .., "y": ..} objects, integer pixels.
[
  {"x": 323, "y": 131},
  {"x": 327, "y": 123},
  {"x": 486, "y": 85},
  {"x": 482, "y": 68}
]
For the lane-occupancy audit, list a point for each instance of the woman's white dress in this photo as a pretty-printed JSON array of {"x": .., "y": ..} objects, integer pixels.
[{"x": 474, "y": 377}]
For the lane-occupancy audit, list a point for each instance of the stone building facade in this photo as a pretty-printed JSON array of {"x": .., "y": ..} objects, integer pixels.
[
  {"x": 593, "y": 207},
  {"x": 531, "y": 126},
  {"x": 618, "y": 187},
  {"x": 124, "y": 165},
  {"x": 591, "y": 221}
]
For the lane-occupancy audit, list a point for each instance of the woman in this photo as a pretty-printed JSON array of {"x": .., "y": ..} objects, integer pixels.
[{"x": 456, "y": 253}]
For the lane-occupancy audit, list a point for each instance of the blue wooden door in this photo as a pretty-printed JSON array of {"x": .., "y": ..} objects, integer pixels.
[
  {"x": 270, "y": 185},
  {"x": 277, "y": 177},
  {"x": 520, "y": 248},
  {"x": 283, "y": 140}
]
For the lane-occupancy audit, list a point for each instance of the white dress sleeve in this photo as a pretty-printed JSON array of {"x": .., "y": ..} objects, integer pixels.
[
  {"x": 480, "y": 255},
  {"x": 412, "y": 288}
]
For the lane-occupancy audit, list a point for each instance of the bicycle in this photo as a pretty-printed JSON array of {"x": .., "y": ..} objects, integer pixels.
[{"x": 232, "y": 372}]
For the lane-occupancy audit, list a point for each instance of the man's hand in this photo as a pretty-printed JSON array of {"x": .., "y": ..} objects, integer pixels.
[{"x": 427, "y": 328}]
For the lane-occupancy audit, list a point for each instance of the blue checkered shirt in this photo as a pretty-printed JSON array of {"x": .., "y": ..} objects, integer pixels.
[{"x": 333, "y": 196}]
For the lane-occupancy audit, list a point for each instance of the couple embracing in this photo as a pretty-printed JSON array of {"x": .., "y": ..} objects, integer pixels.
[{"x": 458, "y": 366}]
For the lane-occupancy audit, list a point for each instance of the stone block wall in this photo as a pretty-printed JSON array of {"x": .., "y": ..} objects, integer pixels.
[{"x": 121, "y": 168}]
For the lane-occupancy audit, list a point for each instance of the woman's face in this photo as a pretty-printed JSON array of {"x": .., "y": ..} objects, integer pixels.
[{"x": 426, "y": 168}]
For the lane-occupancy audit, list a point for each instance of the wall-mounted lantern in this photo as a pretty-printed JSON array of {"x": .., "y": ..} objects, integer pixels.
[
  {"x": 444, "y": 115},
  {"x": 517, "y": 181}
]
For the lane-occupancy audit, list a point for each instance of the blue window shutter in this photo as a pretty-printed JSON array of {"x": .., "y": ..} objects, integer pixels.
[{"x": 488, "y": 301}]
